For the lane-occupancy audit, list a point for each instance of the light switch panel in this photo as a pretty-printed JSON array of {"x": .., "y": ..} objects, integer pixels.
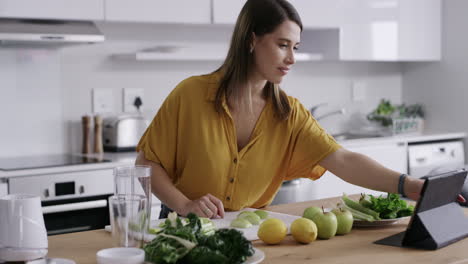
[
  {"x": 103, "y": 100},
  {"x": 358, "y": 91}
]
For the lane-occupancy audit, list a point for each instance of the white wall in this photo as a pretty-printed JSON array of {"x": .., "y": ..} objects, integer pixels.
[
  {"x": 443, "y": 86},
  {"x": 31, "y": 115},
  {"x": 70, "y": 76}
]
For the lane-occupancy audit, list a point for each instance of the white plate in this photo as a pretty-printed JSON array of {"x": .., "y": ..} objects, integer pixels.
[
  {"x": 120, "y": 255},
  {"x": 249, "y": 233},
  {"x": 257, "y": 257},
  {"x": 383, "y": 222}
]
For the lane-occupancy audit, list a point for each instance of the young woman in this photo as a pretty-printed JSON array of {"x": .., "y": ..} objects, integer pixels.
[{"x": 227, "y": 140}]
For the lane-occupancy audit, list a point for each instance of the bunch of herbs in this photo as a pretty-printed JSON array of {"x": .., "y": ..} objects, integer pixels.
[{"x": 194, "y": 242}]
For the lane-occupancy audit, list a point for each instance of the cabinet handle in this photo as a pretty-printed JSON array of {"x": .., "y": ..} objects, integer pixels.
[
  {"x": 82, "y": 190},
  {"x": 73, "y": 206},
  {"x": 46, "y": 193}
]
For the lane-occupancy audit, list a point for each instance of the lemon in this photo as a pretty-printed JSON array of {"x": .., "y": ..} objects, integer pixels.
[
  {"x": 272, "y": 231},
  {"x": 304, "y": 230}
]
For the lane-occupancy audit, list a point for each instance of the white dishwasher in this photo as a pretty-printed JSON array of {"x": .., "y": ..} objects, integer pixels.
[{"x": 431, "y": 158}]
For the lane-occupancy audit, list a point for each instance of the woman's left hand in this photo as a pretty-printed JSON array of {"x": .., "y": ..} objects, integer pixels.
[{"x": 413, "y": 188}]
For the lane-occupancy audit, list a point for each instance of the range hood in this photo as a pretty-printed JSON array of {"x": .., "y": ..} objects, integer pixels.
[{"x": 45, "y": 32}]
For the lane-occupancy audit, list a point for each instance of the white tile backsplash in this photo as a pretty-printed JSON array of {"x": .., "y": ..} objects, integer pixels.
[
  {"x": 44, "y": 93},
  {"x": 30, "y": 102}
]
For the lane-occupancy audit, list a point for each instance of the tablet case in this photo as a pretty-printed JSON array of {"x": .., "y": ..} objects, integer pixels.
[{"x": 438, "y": 220}]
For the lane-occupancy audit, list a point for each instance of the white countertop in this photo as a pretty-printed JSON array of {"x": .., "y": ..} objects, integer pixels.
[
  {"x": 128, "y": 158},
  {"x": 117, "y": 159},
  {"x": 408, "y": 138}
]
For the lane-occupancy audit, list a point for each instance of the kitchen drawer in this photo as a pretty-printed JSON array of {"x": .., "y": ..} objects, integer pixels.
[{"x": 65, "y": 185}]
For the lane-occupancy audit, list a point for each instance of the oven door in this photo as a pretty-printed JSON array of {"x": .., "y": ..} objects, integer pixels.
[{"x": 77, "y": 214}]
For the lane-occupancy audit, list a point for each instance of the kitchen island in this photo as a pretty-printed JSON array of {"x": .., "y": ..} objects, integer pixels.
[{"x": 355, "y": 247}]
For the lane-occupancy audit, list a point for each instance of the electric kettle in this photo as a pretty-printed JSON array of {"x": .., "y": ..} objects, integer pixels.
[{"x": 23, "y": 236}]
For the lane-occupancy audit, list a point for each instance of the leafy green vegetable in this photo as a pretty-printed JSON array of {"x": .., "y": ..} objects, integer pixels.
[
  {"x": 357, "y": 214},
  {"x": 231, "y": 243},
  {"x": 372, "y": 208},
  {"x": 205, "y": 255},
  {"x": 391, "y": 206},
  {"x": 357, "y": 206},
  {"x": 164, "y": 250},
  {"x": 197, "y": 241},
  {"x": 365, "y": 201},
  {"x": 386, "y": 112}
]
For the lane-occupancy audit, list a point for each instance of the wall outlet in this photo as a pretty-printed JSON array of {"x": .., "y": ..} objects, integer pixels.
[
  {"x": 358, "y": 91},
  {"x": 129, "y": 97},
  {"x": 102, "y": 100}
]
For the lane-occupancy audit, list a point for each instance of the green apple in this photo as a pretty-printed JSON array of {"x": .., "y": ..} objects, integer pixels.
[
  {"x": 309, "y": 212},
  {"x": 326, "y": 224},
  {"x": 345, "y": 220}
]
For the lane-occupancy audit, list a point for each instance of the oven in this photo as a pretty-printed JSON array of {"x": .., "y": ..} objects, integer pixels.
[{"x": 71, "y": 201}]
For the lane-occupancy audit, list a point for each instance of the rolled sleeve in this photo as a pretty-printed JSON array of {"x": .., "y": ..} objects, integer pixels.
[
  {"x": 159, "y": 142},
  {"x": 311, "y": 144}
]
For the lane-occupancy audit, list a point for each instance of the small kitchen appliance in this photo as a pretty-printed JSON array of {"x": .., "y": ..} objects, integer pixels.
[
  {"x": 23, "y": 236},
  {"x": 122, "y": 133}
]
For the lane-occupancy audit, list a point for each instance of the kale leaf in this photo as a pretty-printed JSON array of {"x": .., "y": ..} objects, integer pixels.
[
  {"x": 163, "y": 250},
  {"x": 231, "y": 243},
  {"x": 188, "y": 243},
  {"x": 204, "y": 255},
  {"x": 391, "y": 206}
]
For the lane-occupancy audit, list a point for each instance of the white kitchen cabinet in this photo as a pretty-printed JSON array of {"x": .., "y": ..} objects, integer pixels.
[
  {"x": 159, "y": 11},
  {"x": 53, "y": 9},
  {"x": 226, "y": 11},
  {"x": 314, "y": 13},
  {"x": 392, "y": 155},
  {"x": 319, "y": 13},
  {"x": 391, "y": 30}
]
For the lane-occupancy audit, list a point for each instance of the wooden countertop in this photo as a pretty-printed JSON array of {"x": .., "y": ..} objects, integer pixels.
[{"x": 355, "y": 247}]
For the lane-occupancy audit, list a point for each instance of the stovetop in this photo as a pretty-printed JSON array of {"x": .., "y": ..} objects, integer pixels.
[{"x": 45, "y": 161}]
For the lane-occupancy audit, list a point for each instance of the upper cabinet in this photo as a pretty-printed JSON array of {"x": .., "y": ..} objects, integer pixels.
[
  {"x": 347, "y": 30},
  {"x": 226, "y": 11},
  {"x": 319, "y": 13},
  {"x": 53, "y": 9},
  {"x": 159, "y": 11},
  {"x": 314, "y": 13},
  {"x": 391, "y": 30}
]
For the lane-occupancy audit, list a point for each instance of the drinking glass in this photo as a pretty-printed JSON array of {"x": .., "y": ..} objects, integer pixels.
[
  {"x": 128, "y": 217},
  {"x": 135, "y": 180}
]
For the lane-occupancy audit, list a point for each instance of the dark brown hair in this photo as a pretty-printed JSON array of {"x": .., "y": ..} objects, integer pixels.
[{"x": 259, "y": 17}]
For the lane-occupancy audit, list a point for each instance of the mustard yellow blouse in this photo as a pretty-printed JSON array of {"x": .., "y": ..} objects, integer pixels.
[{"x": 198, "y": 148}]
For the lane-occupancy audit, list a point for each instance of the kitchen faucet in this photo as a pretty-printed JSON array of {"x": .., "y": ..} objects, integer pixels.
[{"x": 313, "y": 109}]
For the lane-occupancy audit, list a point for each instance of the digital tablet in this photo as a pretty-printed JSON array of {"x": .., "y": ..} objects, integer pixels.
[{"x": 438, "y": 219}]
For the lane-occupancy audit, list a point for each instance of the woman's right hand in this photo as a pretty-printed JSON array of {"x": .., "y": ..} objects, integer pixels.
[{"x": 206, "y": 206}]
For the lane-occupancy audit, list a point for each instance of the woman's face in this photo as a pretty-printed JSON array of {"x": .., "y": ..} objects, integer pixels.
[{"x": 274, "y": 52}]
